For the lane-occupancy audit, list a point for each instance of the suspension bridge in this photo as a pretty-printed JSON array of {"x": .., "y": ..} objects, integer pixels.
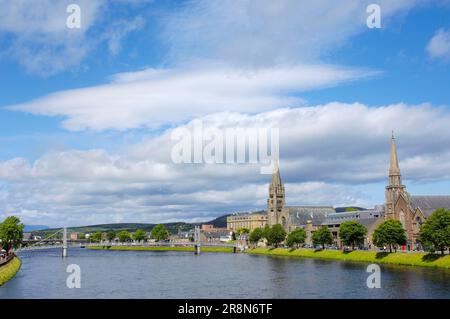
[{"x": 52, "y": 242}]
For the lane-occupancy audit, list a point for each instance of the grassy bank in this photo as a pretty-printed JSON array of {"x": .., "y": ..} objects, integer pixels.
[
  {"x": 409, "y": 259},
  {"x": 205, "y": 249},
  {"x": 9, "y": 270}
]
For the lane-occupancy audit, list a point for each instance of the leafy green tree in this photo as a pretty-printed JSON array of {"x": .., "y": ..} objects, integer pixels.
[
  {"x": 11, "y": 232},
  {"x": 139, "y": 235},
  {"x": 81, "y": 236},
  {"x": 266, "y": 231},
  {"x": 276, "y": 235},
  {"x": 256, "y": 235},
  {"x": 124, "y": 236},
  {"x": 243, "y": 231},
  {"x": 389, "y": 233},
  {"x": 111, "y": 235},
  {"x": 160, "y": 232},
  {"x": 436, "y": 230},
  {"x": 352, "y": 233},
  {"x": 96, "y": 237},
  {"x": 296, "y": 237},
  {"x": 322, "y": 237}
]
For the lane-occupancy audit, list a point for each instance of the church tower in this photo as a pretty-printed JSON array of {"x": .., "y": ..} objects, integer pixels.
[
  {"x": 275, "y": 202},
  {"x": 394, "y": 187}
]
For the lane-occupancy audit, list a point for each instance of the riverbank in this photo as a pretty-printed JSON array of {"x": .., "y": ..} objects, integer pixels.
[
  {"x": 205, "y": 249},
  {"x": 9, "y": 270},
  {"x": 406, "y": 259}
]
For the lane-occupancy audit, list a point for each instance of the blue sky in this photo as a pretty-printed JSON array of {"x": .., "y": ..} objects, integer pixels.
[{"x": 86, "y": 114}]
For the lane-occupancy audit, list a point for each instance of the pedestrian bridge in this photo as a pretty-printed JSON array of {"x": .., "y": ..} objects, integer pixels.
[
  {"x": 64, "y": 244},
  {"x": 111, "y": 244}
]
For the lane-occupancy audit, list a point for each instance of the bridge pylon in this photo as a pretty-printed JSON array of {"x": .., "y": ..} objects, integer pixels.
[
  {"x": 197, "y": 240},
  {"x": 64, "y": 247}
]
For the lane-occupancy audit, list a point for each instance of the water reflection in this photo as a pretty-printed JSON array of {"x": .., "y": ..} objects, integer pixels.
[{"x": 114, "y": 274}]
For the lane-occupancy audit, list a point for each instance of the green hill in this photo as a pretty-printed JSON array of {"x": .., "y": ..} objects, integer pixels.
[{"x": 173, "y": 228}]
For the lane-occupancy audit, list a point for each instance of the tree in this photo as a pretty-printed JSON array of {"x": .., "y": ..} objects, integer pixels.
[
  {"x": 123, "y": 236},
  {"x": 243, "y": 231},
  {"x": 389, "y": 233},
  {"x": 296, "y": 237},
  {"x": 352, "y": 233},
  {"x": 81, "y": 236},
  {"x": 111, "y": 235},
  {"x": 160, "y": 232},
  {"x": 436, "y": 230},
  {"x": 11, "y": 232},
  {"x": 275, "y": 235},
  {"x": 139, "y": 235},
  {"x": 322, "y": 236},
  {"x": 266, "y": 231},
  {"x": 256, "y": 235},
  {"x": 96, "y": 237}
]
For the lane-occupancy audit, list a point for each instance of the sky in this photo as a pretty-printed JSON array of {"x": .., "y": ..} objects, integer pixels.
[{"x": 88, "y": 114}]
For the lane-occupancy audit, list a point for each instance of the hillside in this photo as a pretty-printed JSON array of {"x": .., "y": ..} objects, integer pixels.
[{"x": 132, "y": 227}]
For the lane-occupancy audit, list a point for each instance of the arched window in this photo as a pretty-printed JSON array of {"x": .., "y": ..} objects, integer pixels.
[
  {"x": 283, "y": 221},
  {"x": 402, "y": 218},
  {"x": 418, "y": 223}
]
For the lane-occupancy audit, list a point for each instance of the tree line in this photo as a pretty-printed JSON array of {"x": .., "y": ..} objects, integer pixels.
[
  {"x": 11, "y": 234},
  {"x": 434, "y": 234},
  {"x": 158, "y": 233}
]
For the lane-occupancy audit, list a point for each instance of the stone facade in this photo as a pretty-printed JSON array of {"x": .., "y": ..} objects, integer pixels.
[
  {"x": 399, "y": 205},
  {"x": 410, "y": 210},
  {"x": 276, "y": 202},
  {"x": 250, "y": 221}
]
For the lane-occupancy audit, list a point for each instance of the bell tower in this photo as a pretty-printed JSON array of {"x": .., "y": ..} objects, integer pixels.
[
  {"x": 276, "y": 200},
  {"x": 394, "y": 187}
]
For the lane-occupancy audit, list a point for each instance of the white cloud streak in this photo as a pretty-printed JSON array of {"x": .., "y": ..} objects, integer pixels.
[
  {"x": 439, "y": 45},
  {"x": 155, "y": 97}
]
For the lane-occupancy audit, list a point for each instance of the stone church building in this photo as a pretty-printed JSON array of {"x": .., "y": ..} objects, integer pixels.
[
  {"x": 399, "y": 205},
  {"x": 410, "y": 210}
]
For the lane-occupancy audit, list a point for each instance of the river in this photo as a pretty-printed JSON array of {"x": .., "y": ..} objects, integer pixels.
[{"x": 147, "y": 274}]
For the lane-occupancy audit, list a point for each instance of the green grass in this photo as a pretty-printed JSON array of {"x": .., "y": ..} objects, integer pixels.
[
  {"x": 205, "y": 249},
  {"x": 9, "y": 270},
  {"x": 408, "y": 259}
]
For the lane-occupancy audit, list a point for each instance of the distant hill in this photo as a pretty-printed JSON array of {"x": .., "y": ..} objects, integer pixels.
[
  {"x": 348, "y": 209},
  {"x": 219, "y": 222},
  {"x": 29, "y": 228},
  {"x": 173, "y": 228}
]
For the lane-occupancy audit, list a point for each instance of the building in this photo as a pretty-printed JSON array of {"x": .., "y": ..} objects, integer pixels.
[
  {"x": 399, "y": 205},
  {"x": 73, "y": 236},
  {"x": 247, "y": 220},
  {"x": 410, "y": 210}
]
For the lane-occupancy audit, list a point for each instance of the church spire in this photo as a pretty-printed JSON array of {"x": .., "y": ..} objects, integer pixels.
[
  {"x": 276, "y": 200},
  {"x": 395, "y": 178},
  {"x": 276, "y": 178}
]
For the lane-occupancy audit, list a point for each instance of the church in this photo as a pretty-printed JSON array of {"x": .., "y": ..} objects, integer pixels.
[{"x": 399, "y": 205}]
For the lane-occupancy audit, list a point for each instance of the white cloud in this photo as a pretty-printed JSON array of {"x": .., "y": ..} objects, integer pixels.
[
  {"x": 154, "y": 97},
  {"x": 254, "y": 33},
  {"x": 247, "y": 33},
  {"x": 439, "y": 45},
  {"x": 44, "y": 45},
  {"x": 329, "y": 154},
  {"x": 119, "y": 29},
  {"x": 41, "y": 41}
]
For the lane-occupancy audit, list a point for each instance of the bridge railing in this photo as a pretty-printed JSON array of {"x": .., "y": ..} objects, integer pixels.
[{"x": 141, "y": 244}]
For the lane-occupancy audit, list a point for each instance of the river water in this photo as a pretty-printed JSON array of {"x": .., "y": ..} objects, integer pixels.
[{"x": 147, "y": 274}]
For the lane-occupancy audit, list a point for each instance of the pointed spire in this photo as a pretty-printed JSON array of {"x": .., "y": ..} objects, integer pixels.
[
  {"x": 395, "y": 178},
  {"x": 276, "y": 178},
  {"x": 275, "y": 165},
  {"x": 394, "y": 161}
]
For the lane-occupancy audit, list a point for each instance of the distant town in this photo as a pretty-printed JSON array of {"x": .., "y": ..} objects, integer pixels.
[{"x": 407, "y": 212}]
